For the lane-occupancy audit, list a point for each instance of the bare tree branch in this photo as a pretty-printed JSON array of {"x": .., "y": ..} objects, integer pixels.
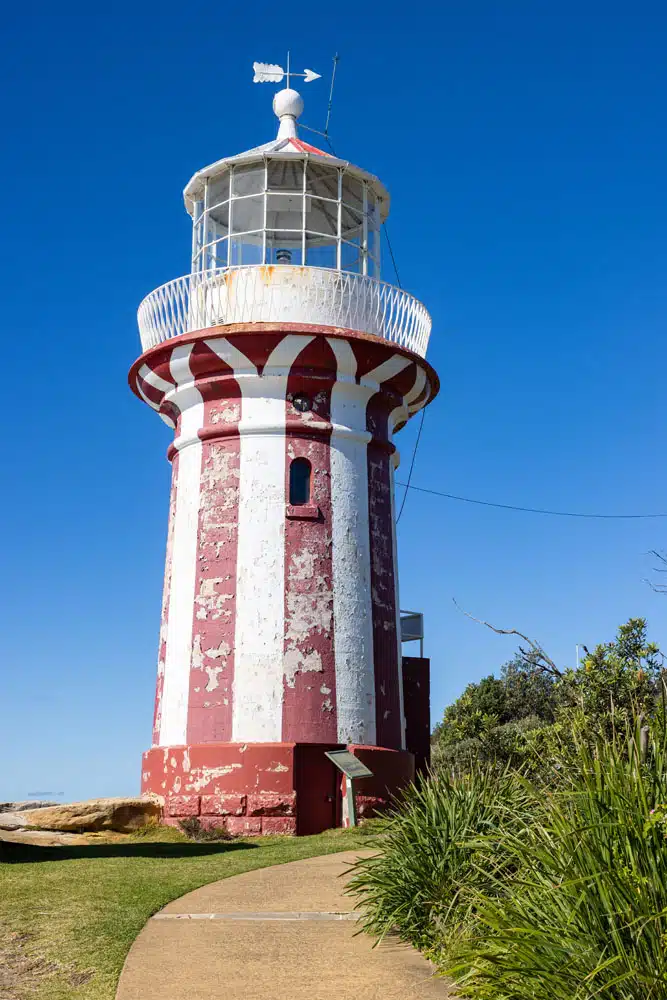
[
  {"x": 658, "y": 588},
  {"x": 537, "y": 656}
]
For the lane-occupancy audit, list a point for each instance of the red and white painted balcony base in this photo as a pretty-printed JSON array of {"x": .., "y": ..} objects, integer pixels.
[{"x": 279, "y": 620}]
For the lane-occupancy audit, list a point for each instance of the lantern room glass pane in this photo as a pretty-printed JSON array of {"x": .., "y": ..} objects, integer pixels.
[
  {"x": 373, "y": 209},
  {"x": 350, "y": 257},
  {"x": 246, "y": 249},
  {"x": 320, "y": 254},
  {"x": 285, "y": 175},
  {"x": 284, "y": 211},
  {"x": 321, "y": 216},
  {"x": 220, "y": 215},
  {"x": 353, "y": 192},
  {"x": 217, "y": 190},
  {"x": 322, "y": 180},
  {"x": 351, "y": 224},
  {"x": 247, "y": 214},
  {"x": 283, "y": 238},
  {"x": 248, "y": 179},
  {"x": 373, "y": 243},
  {"x": 218, "y": 253},
  {"x": 283, "y": 248}
]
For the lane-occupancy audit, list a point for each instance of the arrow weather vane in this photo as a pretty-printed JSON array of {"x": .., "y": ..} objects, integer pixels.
[{"x": 272, "y": 73}]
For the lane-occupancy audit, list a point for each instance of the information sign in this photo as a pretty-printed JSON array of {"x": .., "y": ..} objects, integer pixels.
[
  {"x": 352, "y": 768},
  {"x": 350, "y": 765}
]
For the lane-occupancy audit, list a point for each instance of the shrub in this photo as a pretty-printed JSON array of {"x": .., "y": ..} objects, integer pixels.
[
  {"x": 587, "y": 914},
  {"x": 513, "y": 743},
  {"x": 436, "y": 845}
]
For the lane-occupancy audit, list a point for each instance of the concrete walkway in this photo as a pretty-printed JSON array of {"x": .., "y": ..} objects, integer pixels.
[{"x": 281, "y": 933}]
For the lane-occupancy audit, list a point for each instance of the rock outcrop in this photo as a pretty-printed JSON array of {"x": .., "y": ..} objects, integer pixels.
[
  {"x": 12, "y": 821},
  {"x": 122, "y": 814},
  {"x": 14, "y": 807}
]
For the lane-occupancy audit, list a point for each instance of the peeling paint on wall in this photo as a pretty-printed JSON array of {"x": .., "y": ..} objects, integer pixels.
[{"x": 293, "y": 635}]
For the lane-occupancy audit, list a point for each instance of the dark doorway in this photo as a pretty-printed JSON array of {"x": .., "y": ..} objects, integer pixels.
[{"x": 317, "y": 789}]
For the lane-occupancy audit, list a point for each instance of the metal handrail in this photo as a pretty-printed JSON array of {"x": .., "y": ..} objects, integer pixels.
[{"x": 284, "y": 293}]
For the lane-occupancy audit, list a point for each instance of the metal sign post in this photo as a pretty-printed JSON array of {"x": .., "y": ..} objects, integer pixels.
[{"x": 352, "y": 768}]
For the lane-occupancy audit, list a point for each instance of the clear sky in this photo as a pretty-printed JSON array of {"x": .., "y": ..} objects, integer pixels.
[{"x": 524, "y": 144}]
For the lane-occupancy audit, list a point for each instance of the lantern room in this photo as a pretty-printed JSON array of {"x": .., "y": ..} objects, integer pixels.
[{"x": 286, "y": 202}]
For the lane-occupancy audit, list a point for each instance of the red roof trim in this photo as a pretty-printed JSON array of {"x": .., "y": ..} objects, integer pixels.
[{"x": 305, "y": 147}]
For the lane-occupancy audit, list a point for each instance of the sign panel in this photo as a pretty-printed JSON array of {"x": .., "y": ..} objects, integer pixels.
[
  {"x": 350, "y": 765},
  {"x": 412, "y": 626}
]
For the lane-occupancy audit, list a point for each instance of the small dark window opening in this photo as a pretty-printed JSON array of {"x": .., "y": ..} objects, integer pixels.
[{"x": 299, "y": 482}]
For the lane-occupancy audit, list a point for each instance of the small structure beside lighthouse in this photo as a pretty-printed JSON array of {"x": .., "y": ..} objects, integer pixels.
[{"x": 285, "y": 366}]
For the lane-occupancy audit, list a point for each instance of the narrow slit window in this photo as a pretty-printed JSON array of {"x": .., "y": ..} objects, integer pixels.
[{"x": 299, "y": 482}]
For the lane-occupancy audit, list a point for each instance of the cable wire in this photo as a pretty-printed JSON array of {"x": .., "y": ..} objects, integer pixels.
[
  {"x": 527, "y": 510},
  {"x": 391, "y": 254},
  {"x": 421, "y": 422},
  {"x": 412, "y": 465},
  {"x": 488, "y": 503}
]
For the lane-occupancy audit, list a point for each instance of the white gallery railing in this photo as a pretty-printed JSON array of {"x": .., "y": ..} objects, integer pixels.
[{"x": 284, "y": 294}]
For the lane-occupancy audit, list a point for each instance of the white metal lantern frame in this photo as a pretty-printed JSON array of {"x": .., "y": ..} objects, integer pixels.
[
  {"x": 288, "y": 236},
  {"x": 277, "y": 209}
]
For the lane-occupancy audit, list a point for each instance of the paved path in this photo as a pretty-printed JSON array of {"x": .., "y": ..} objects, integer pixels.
[{"x": 281, "y": 933}]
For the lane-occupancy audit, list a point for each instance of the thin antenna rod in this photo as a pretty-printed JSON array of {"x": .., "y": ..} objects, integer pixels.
[
  {"x": 333, "y": 78},
  {"x": 288, "y": 74}
]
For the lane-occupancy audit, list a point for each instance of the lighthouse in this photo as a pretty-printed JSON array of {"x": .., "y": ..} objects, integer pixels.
[{"x": 285, "y": 366}]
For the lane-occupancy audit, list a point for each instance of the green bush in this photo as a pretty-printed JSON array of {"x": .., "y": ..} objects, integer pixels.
[
  {"x": 418, "y": 884},
  {"x": 513, "y": 743},
  {"x": 587, "y": 914},
  {"x": 523, "y": 891}
]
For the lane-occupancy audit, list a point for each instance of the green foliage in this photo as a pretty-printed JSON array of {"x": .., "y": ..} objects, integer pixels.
[
  {"x": 514, "y": 744},
  {"x": 520, "y": 717},
  {"x": 428, "y": 854},
  {"x": 586, "y": 915},
  {"x": 618, "y": 680},
  {"x": 522, "y": 691},
  {"x": 524, "y": 894}
]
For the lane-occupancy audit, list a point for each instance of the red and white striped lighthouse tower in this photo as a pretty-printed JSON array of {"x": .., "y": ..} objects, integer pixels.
[{"x": 285, "y": 366}]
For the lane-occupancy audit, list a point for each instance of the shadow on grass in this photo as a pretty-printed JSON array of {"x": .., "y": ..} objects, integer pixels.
[{"x": 21, "y": 853}]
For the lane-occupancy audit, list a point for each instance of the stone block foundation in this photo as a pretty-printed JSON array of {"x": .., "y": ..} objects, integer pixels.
[{"x": 251, "y": 789}]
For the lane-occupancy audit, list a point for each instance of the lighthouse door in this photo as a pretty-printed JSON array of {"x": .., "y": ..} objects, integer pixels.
[{"x": 318, "y": 789}]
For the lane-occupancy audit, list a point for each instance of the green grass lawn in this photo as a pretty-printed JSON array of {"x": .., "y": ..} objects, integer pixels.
[{"x": 68, "y": 915}]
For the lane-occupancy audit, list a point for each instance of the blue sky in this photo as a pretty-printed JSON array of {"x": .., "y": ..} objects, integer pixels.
[{"x": 524, "y": 145}]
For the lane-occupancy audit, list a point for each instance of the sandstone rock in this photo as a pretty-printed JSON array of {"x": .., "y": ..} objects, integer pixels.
[
  {"x": 39, "y": 838},
  {"x": 13, "y": 807},
  {"x": 121, "y": 814},
  {"x": 12, "y": 821}
]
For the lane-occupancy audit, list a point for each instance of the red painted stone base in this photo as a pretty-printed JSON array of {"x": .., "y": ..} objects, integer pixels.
[{"x": 268, "y": 788}]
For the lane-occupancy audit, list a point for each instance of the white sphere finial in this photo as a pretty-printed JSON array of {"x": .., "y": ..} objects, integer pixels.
[{"x": 287, "y": 106}]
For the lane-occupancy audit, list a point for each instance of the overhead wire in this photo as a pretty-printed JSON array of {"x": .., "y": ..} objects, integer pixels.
[
  {"x": 529, "y": 510},
  {"x": 482, "y": 503},
  {"x": 407, "y": 485},
  {"x": 488, "y": 503},
  {"x": 423, "y": 412}
]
